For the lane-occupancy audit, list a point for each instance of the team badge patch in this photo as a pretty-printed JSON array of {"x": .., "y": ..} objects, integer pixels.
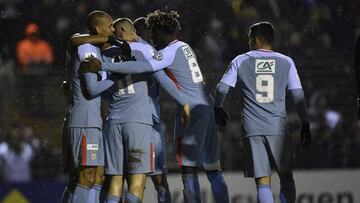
[
  {"x": 264, "y": 66},
  {"x": 158, "y": 56},
  {"x": 93, "y": 155}
]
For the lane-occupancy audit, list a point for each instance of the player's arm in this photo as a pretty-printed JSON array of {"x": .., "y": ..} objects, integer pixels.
[
  {"x": 297, "y": 94},
  {"x": 79, "y": 39},
  {"x": 92, "y": 85},
  {"x": 228, "y": 80},
  {"x": 169, "y": 86},
  {"x": 159, "y": 61}
]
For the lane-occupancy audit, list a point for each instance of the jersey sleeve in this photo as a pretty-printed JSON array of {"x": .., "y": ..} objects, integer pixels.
[
  {"x": 293, "y": 79},
  {"x": 95, "y": 87},
  {"x": 169, "y": 86},
  {"x": 162, "y": 59},
  {"x": 87, "y": 50},
  {"x": 230, "y": 75}
]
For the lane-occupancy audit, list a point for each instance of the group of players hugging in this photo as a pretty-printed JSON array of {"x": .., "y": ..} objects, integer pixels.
[{"x": 121, "y": 64}]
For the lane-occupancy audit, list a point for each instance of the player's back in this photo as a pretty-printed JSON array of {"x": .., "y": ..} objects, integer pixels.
[
  {"x": 84, "y": 111},
  {"x": 130, "y": 100},
  {"x": 186, "y": 71},
  {"x": 264, "y": 78}
]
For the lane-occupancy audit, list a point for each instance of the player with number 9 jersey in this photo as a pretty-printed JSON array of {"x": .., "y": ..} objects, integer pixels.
[{"x": 264, "y": 77}]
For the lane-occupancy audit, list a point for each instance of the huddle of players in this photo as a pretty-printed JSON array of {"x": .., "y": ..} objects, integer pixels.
[{"x": 133, "y": 116}]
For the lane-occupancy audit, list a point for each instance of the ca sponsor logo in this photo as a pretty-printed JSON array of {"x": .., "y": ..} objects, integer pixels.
[
  {"x": 94, "y": 147},
  {"x": 264, "y": 66}
]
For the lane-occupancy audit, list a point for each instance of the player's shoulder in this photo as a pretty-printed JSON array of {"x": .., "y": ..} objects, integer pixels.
[
  {"x": 140, "y": 45},
  {"x": 240, "y": 58}
]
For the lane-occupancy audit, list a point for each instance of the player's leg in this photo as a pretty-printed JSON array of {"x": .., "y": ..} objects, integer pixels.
[
  {"x": 114, "y": 151},
  {"x": 188, "y": 156},
  {"x": 158, "y": 177},
  {"x": 257, "y": 165},
  {"x": 162, "y": 188},
  {"x": 211, "y": 157},
  {"x": 88, "y": 146},
  {"x": 139, "y": 159},
  {"x": 282, "y": 157}
]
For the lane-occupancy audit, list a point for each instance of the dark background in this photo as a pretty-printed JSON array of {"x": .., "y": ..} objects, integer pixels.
[{"x": 318, "y": 34}]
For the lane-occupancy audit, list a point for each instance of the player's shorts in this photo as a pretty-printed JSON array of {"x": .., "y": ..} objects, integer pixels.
[
  {"x": 262, "y": 152},
  {"x": 128, "y": 149},
  {"x": 159, "y": 153},
  {"x": 198, "y": 144},
  {"x": 87, "y": 146}
]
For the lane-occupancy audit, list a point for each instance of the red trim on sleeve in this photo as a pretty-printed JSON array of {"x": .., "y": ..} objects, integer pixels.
[
  {"x": 172, "y": 77},
  {"x": 83, "y": 150}
]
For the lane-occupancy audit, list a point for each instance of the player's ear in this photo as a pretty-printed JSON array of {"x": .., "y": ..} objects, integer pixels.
[{"x": 98, "y": 29}]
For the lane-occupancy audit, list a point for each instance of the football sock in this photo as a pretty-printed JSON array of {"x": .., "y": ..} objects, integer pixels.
[
  {"x": 66, "y": 196},
  {"x": 131, "y": 198},
  {"x": 287, "y": 191},
  {"x": 191, "y": 188},
  {"x": 264, "y": 194},
  {"x": 164, "y": 195},
  {"x": 218, "y": 186},
  {"x": 80, "y": 194},
  {"x": 112, "y": 199},
  {"x": 94, "y": 194}
]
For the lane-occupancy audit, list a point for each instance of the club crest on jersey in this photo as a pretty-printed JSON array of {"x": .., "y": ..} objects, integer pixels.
[
  {"x": 93, "y": 155},
  {"x": 158, "y": 56},
  {"x": 264, "y": 66}
]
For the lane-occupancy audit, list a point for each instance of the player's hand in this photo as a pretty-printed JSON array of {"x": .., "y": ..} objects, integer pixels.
[
  {"x": 185, "y": 116},
  {"x": 122, "y": 44},
  {"x": 305, "y": 134},
  {"x": 91, "y": 64},
  {"x": 221, "y": 116}
]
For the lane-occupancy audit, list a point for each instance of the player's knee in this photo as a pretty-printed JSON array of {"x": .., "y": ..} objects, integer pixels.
[
  {"x": 87, "y": 177},
  {"x": 100, "y": 176},
  {"x": 159, "y": 180}
]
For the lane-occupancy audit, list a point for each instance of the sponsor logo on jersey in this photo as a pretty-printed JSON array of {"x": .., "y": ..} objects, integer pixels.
[
  {"x": 264, "y": 66},
  {"x": 187, "y": 52},
  {"x": 158, "y": 56},
  {"x": 94, "y": 147}
]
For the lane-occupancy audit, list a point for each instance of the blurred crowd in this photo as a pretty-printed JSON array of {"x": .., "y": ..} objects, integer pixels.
[{"x": 318, "y": 34}]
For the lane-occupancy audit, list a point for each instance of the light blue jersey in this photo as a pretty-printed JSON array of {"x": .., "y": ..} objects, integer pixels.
[
  {"x": 84, "y": 107},
  {"x": 180, "y": 63},
  {"x": 264, "y": 78},
  {"x": 130, "y": 101}
]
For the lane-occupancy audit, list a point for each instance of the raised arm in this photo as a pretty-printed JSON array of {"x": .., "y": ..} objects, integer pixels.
[{"x": 79, "y": 39}]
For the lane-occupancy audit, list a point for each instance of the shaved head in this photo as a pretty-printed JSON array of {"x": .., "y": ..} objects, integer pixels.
[
  {"x": 124, "y": 29},
  {"x": 95, "y": 19}
]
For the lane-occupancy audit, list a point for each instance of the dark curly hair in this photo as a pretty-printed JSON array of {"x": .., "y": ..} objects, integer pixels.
[{"x": 166, "y": 21}]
